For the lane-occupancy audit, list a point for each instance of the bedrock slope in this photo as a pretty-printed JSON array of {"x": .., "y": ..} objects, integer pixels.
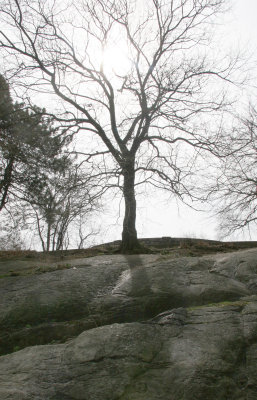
[
  {"x": 204, "y": 353},
  {"x": 57, "y": 305},
  {"x": 152, "y": 328}
]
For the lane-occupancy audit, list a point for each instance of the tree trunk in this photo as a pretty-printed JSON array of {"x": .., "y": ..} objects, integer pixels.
[
  {"x": 129, "y": 234},
  {"x": 6, "y": 182},
  {"x": 48, "y": 236}
]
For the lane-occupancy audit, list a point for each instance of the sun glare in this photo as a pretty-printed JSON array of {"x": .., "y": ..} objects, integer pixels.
[{"x": 116, "y": 60}]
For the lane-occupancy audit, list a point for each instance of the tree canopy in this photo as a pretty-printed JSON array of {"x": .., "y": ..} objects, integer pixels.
[
  {"x": 234, "y": 191},
  {"x": 134, "y": 76},
  {"x": 41, "y": 186},
  {"x": 30, "y": 146}
]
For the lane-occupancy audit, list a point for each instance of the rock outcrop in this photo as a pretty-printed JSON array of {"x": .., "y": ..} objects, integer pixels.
[{"x": 136, "y": 327}]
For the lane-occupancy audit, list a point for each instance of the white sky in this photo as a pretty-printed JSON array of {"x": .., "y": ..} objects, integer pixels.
[
  {"x": 157, "y": 218},
  {"x": 244, "y": 14}
]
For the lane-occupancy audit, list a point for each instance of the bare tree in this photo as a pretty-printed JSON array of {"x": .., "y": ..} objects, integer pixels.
[
  {"x": 11, "y": 231},
  {"x": 234, "y": 192},
  {"x": 55, "y": 208},
  {"x": 134, "y": 76},
  {"x": 86, "y": 231}
]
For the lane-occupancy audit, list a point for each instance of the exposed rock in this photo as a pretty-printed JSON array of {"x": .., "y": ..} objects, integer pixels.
[
  {"x": 153, "y": 328},
  {"x": 204, "y": 353}
]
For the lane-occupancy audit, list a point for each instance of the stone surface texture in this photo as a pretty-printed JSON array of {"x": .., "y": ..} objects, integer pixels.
[{"x": 135, "y": 327}]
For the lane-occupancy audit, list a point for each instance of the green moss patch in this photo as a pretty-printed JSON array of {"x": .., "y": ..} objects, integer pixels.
[{"x": 237, "y": 303}]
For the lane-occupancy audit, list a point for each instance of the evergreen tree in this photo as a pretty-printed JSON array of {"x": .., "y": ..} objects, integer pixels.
[{"x": 30, "y": 147}]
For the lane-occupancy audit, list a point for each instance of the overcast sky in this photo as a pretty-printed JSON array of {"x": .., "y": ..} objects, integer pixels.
[{"x": 244, "y": 15}]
